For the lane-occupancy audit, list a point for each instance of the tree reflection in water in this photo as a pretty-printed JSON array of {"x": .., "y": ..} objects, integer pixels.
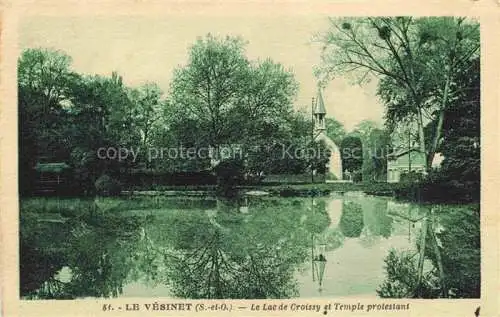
[
  {"x": 251, "y": 255},
  {"x": 217, "y": 249},
  {"x": 449, "y": 241},
  {"x": 351, "y": 222},
  {"x": 93, "y": 249},
  {"x": 210, "y": 253}
]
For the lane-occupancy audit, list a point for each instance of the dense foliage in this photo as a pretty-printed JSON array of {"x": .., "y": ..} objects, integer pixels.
[
  {"x": 351, "y": 151},
  {"x": 220, "y": 105},
  {"x": 428, "y": 79}
]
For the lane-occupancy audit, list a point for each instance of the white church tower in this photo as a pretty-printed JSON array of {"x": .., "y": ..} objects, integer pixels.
[{"x": 335, "y": 162}]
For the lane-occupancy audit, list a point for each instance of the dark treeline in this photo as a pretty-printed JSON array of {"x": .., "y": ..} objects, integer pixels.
[{"x": 428, "y": 73}]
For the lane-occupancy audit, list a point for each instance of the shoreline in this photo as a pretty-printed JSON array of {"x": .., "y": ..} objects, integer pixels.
[
  {"x": 409, "y": 192},
  {"x": 282, "y": 190}
]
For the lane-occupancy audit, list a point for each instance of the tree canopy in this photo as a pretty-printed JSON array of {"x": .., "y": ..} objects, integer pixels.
[
  {"x": 232, "y": 99},
  {"x": 351, "y": 150},
  {"x": 417, "y": 61},
  {"x": 220, "y": 98}
]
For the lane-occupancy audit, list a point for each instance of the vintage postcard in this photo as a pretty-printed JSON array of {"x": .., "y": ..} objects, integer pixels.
[{"x": 295, "y": 158}]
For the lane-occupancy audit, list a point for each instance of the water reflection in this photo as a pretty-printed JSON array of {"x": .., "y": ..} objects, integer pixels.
[
  {"x": 211, "y": 252},
  {"x": 251, "y": 247},
  {"x": 97, "y": 251},
  {"x": 351, "y": 222},
  {"x": 226, "y": 254},
  {"x": 446, "y": 263}
]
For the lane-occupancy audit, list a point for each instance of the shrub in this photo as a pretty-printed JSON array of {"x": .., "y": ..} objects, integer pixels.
[
  {"x": 461, "y": 249},
  {"x": 401, "y": 279},
  {"x": 229, "y": 173},
  {"x": 412, "y": 177},
  {"x": 357, "y": 176},
  {"x": 331, "y": 176},
  {"x": 439, "y": 191}
]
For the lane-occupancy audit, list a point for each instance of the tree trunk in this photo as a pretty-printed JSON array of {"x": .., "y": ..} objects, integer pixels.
[
  {"x": 435, "y": 141},
  {"x": 421, "y": 133},
  {"x": 439, "y": 260},
  {"x": 420, "y": 268},
  {"x": 439, "y": 124}
]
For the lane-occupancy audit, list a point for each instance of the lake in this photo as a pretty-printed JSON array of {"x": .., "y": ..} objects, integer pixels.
[{"x": 249, "y": 247}]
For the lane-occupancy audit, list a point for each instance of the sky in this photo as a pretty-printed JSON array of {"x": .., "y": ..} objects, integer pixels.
[{"x": 145, "y": 48}]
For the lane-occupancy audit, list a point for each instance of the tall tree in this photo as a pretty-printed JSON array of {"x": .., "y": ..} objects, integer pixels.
[
  {"x": 232, "y": 100},
  {"x": 351, "y": 150},
  {"x": 45, "y": 82},
  {"x": 264, "y": 108},
  {"x": 146, "y": 110},
  {"x": 209, "y": 86},
  {"x": 365, "y": 128},
  {"x": 405, "y": 54},
  {"x": 102, "y": 105},
  {"x": 376, "y": 147},
  {"x": 376, "y": 144},
  {"x": 461, "y": 146}
]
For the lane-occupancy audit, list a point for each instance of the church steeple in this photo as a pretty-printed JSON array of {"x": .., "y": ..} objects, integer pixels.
[
  {"x": 334, "y": 166},
  {"x": 319, "y": 113}
]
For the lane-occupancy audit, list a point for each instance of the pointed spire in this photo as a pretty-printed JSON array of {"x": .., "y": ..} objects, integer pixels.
[{"x": 320, "y": 104}]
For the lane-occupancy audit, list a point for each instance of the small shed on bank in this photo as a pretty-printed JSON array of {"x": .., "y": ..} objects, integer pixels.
[{"x": 51, "y": 177}]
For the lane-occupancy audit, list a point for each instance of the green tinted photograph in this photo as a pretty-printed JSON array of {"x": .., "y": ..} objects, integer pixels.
[{"x": 259, "y": 157}]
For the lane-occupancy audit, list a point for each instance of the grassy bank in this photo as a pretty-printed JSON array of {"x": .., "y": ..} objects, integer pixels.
[
  {"x": 417, "y": 192},
  {"x": 290, "y": 189},
  {"x": 382, "y": 189}
]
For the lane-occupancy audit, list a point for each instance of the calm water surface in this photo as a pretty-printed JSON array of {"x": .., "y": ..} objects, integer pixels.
[{"x": 252, "y": 247}]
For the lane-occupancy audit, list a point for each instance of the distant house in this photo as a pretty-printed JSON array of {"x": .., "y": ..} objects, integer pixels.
[{"x": 404, "y": 161}]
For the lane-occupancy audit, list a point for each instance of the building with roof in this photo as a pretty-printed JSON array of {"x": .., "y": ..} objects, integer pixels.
[
  {"x": 319, "y": 113},
  {"x": 404, "y": 162}
]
